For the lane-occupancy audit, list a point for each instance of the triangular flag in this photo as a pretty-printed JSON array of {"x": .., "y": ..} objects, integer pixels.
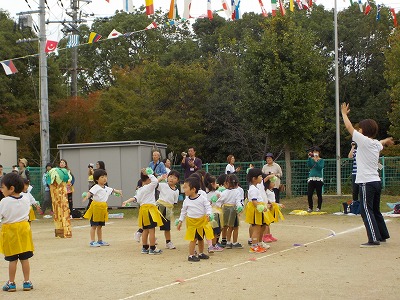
[
  {"x": 9, "y": 67},
  {"x": 149, "y": 7},
  {"x": 378, "y": 12},
  {"x": 73, "y": 40},
  {"x": 367, "y": 8},
  {"x": 50, "y": 46},
  {"x": 93, "y": 37},
  {"x": 209, "y": 11},
  {"x": 305, "y": 4},
  {"x": 299, "y": 4},
  {"x": 114, "y": 34},
  {"x": 263, "y": 10},
  {"x": 394, "y": 17},
  {"x": 226, "y": 8},
  {"x": 151, "y": 26}
]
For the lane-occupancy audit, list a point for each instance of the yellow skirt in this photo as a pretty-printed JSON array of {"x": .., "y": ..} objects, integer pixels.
[
  {"x": 32, "y": 216},
  {"x": 199, "y": 225},
  {"x": 275, "y": 213},
  {"x": 147, "y": 210},
  {"x": 16, "y": 238},
  {"x": 97, "y": 210},
  {"x": 254, "y": 217}
]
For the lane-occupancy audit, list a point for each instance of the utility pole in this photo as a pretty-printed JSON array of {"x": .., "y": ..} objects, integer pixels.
[{"x": 74, "y": 53}]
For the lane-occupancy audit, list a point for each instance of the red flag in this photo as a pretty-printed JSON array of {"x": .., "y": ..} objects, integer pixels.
[
  {"x": 9, "y": 67},
  {"x": 367, "y": 9},
  {"x": 394, "y": 17},
  {"x": 151, "y": 26},
  {"x": 50, "y": 46},
  {"x": 282, "y": 8},
  {"x": 209, "y": 11},
  {"x": 149, "y": 7}
]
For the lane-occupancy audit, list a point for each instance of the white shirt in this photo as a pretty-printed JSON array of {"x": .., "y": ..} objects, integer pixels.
[
  {"x": 28, "y": 195},
  {"x": 231, "y": 197},
  {"x": 254, "y": 194},
  {"x": 263, "y": 194},
  {"x": 146, "y": 194},
  {"x": 100, "y": 194},
  {"x": 195, "y": 208},
  {"x": 367, "y": 158},
  {"x": 168, "y": 194},
  {"x": 276, "y": 169},
  {"x": 270, "y": 196},
  {"x": 230, "y": 169},
  {"x": 13, "y": 210}
]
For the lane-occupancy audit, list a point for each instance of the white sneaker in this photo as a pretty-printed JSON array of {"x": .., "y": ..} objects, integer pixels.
[
  {"x": 170, "y": 246},
  {"x": 317, "y": 210},
  {"x": 265, "y": 245},
  {"x": 137, "y": 236}
]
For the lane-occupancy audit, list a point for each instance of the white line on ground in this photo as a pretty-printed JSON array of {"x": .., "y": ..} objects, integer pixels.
[{"x": 74, "y": 227}]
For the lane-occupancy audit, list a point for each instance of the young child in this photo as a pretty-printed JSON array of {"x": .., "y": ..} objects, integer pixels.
[
  {"x": 367, "y": 176},
  {"x": 231, "y": 202},
  {"x": 221, "y": 181},
  {"x": 149, "y": 216},
  {"x": 169, "y": 195},
  {"x": 98, "y": 209},
  {"x": 14, "y": 212},
  {"x": 255, "y": 211},
  {"x": 197, "y": 211},
  {"x": 27, "y": 193}
]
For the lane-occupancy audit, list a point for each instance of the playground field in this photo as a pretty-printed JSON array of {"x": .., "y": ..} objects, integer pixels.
[{"x": 316, "y": 257}]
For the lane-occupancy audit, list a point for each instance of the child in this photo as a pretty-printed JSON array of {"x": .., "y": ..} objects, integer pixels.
[
  {"x": 98, "y": 209},
  {"x": 221, "y": 187},
  {"x": 14, "y": 211},
  {"x": 169, "y": 195},
  {"x": 149, "y": 216},
  {"x": 255, "y": 211},
  {"x": 231, "y": 203},
  {"x": 27, "y": 193},
  {"x": 367, "y": 176},
  {"x": 197, "y": 211}
]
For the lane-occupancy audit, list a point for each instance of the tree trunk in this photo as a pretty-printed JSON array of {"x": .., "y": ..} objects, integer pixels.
[{"x": 288, "y": 171}]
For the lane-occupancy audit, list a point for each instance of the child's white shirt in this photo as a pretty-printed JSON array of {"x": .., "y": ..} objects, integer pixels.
[
  {"x": 100, "y": 194},
  {"x": 270, "y": 196},
  {"x": 263, "y": 194},
  {"x": 254, "y": 193},
  {"x": 195, "y": 208},
  {"x": 146, "y": 193},
  {"x": 168, "y": 194},
  {"x": 32, "y": 199},
  {"x": 231, "y": 197},
  {"x": 13, "y": 210}
]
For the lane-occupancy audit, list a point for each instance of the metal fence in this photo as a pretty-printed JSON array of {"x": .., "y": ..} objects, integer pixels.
[{"x": 390, "y": 175}]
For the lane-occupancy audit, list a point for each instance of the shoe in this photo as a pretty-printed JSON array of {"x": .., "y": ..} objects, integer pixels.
[
  {"x": 145, "y": 251},
  {"x": 309, "y": 210},
  {"x": 203, "y": 256},
  {"x": 211, "y": 249},
  {"x": 237, "y": 246},
  {"x": 193, "y": 258},
  {"x": 370, "y": 245},
  {"x": 27, "y": 286},
  {"x": 265, "y": 245},
  {"x": 170, "y": 246},
  {"x": 155, "y": 251},
  {"x": 267, "y": 238},
  {"x": 102, "y": 243},
  {"x": 257, "y": 249},
  {"x": 317, "y": 210},
  {"x": 218, "y": 248},
  {"x": 94, "y": 244},
  {"x": 273, "y": 238},
  {"x": 228, "y": 246},
  {"x": 249, "y": 241},
  {"x": 383, "y": 241},
  {"x": 223, "y": 244},
  {"x": 137, "y": 236},
  {"x": 9, "y": 287}
]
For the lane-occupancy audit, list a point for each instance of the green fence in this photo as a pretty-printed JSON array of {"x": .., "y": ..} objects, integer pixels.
[{"x": 390, "y": 175}]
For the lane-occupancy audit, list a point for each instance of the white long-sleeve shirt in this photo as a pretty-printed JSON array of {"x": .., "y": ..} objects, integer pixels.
[
  {"x": 195, "y": 208},
  {"x": 168, "y": 194},
  {"x": 231, "y": 197},
  {"x": 146, "y": 194},
  {"x": 13, "y": 210}
]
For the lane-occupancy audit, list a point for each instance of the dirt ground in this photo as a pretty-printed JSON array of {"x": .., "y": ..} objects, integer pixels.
[{"x": 328, "y": 264}]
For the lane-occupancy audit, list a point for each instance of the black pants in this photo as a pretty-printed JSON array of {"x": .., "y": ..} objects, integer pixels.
[
  {"x": 70, "y": 203},
  {"x": 370, "y": 197},
  {"x": 317, "y": 186},
  {"x": 47, "y": 202},
  {"x": 355, "y": 188},
  {"x": 277, "y": 196}
]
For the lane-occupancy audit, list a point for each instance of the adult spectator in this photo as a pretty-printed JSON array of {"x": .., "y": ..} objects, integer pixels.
[
  {"x": 90, "y": 175},
  {"x": 47, "y": 196},
  {"x": 315, "y": 178},
  {"x": 272, "y": 168},
  {"x": 69, "y": 185},
  {"x": 157, "y": 165},
  {"x": 192, "y": 163},
  {"x": 230, "y": 167},
  {"x": 1, "y": 176},
  {"x": 167, "y": 164},
  {"x": 23, "y": 171}
]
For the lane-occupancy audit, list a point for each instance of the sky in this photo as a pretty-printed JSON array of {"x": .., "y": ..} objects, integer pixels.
[{"x": 101, "y": 8}]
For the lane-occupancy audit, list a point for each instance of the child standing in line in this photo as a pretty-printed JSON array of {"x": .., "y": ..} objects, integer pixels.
[
  {"x": 367, "y": 177},
  {"x": 149, "y": 216},
  {"x": 231, "y": 203},
  {"x": 169, "y": 195},
  {"x": 98, "y": 209},
  {"x": 14, "y": 212},
  {"x": 197, "y": 211},
  {"x": 255, "y": 211},
  {"x": 27, "y": 193},
  {"x": 221, "y": 187}
]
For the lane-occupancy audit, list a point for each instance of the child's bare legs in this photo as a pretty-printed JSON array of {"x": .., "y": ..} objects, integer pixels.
[
  {"x": 167, "y": 234},
  {"x": 250, "y": 231},
  {"x": 260, "y": 235},
  {"x": 267, "y": 229},
  {"x": 145, "y": 236},
  {"x": 93, "y": 233},
  {"x": 200, "y": 244},
  {"x": 26, "y": 269},
  {"x": 229, "y": 234},
  {"x": 12, "y": 270},
  {"x": 223, "y": 232},
  {"x": 192, "y": 245},
  {"x": 235, "y": 234},
  {"x": 152, "y": 236},
  {"x": 99, "y": 233},
  {"x": 255, "y": 234}
]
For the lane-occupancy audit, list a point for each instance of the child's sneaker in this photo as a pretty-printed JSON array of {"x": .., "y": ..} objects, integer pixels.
[
  {"x": 228, "y": 246},
  {"x": 170, "y": 246},
  {"x": 27, "y": 286},
  {"x": 257, "y": 249},
  {"x": 102, "y": 243},
  {"x": 94, "y": 244},
  {"x": 145, "y": 251},
  {"x": 9, "y": 287},
  {"x": 137, "y": 236},
  {"x": 265, "y": 245},
  {"x": 217, "y": 248},
  {"x": 155, "y": 251},
  {"x": 267, "y": 238},
  {"x": 211, "y": 249},
  {"x": 193, "y": 258},
  {"x": 274, "y": 239},
  {"x": 237, "y": 246},
  {"x": 203, "y": 256},
  {"x": 249, "y": 241},
  {"x": 223, "y": 244}
]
